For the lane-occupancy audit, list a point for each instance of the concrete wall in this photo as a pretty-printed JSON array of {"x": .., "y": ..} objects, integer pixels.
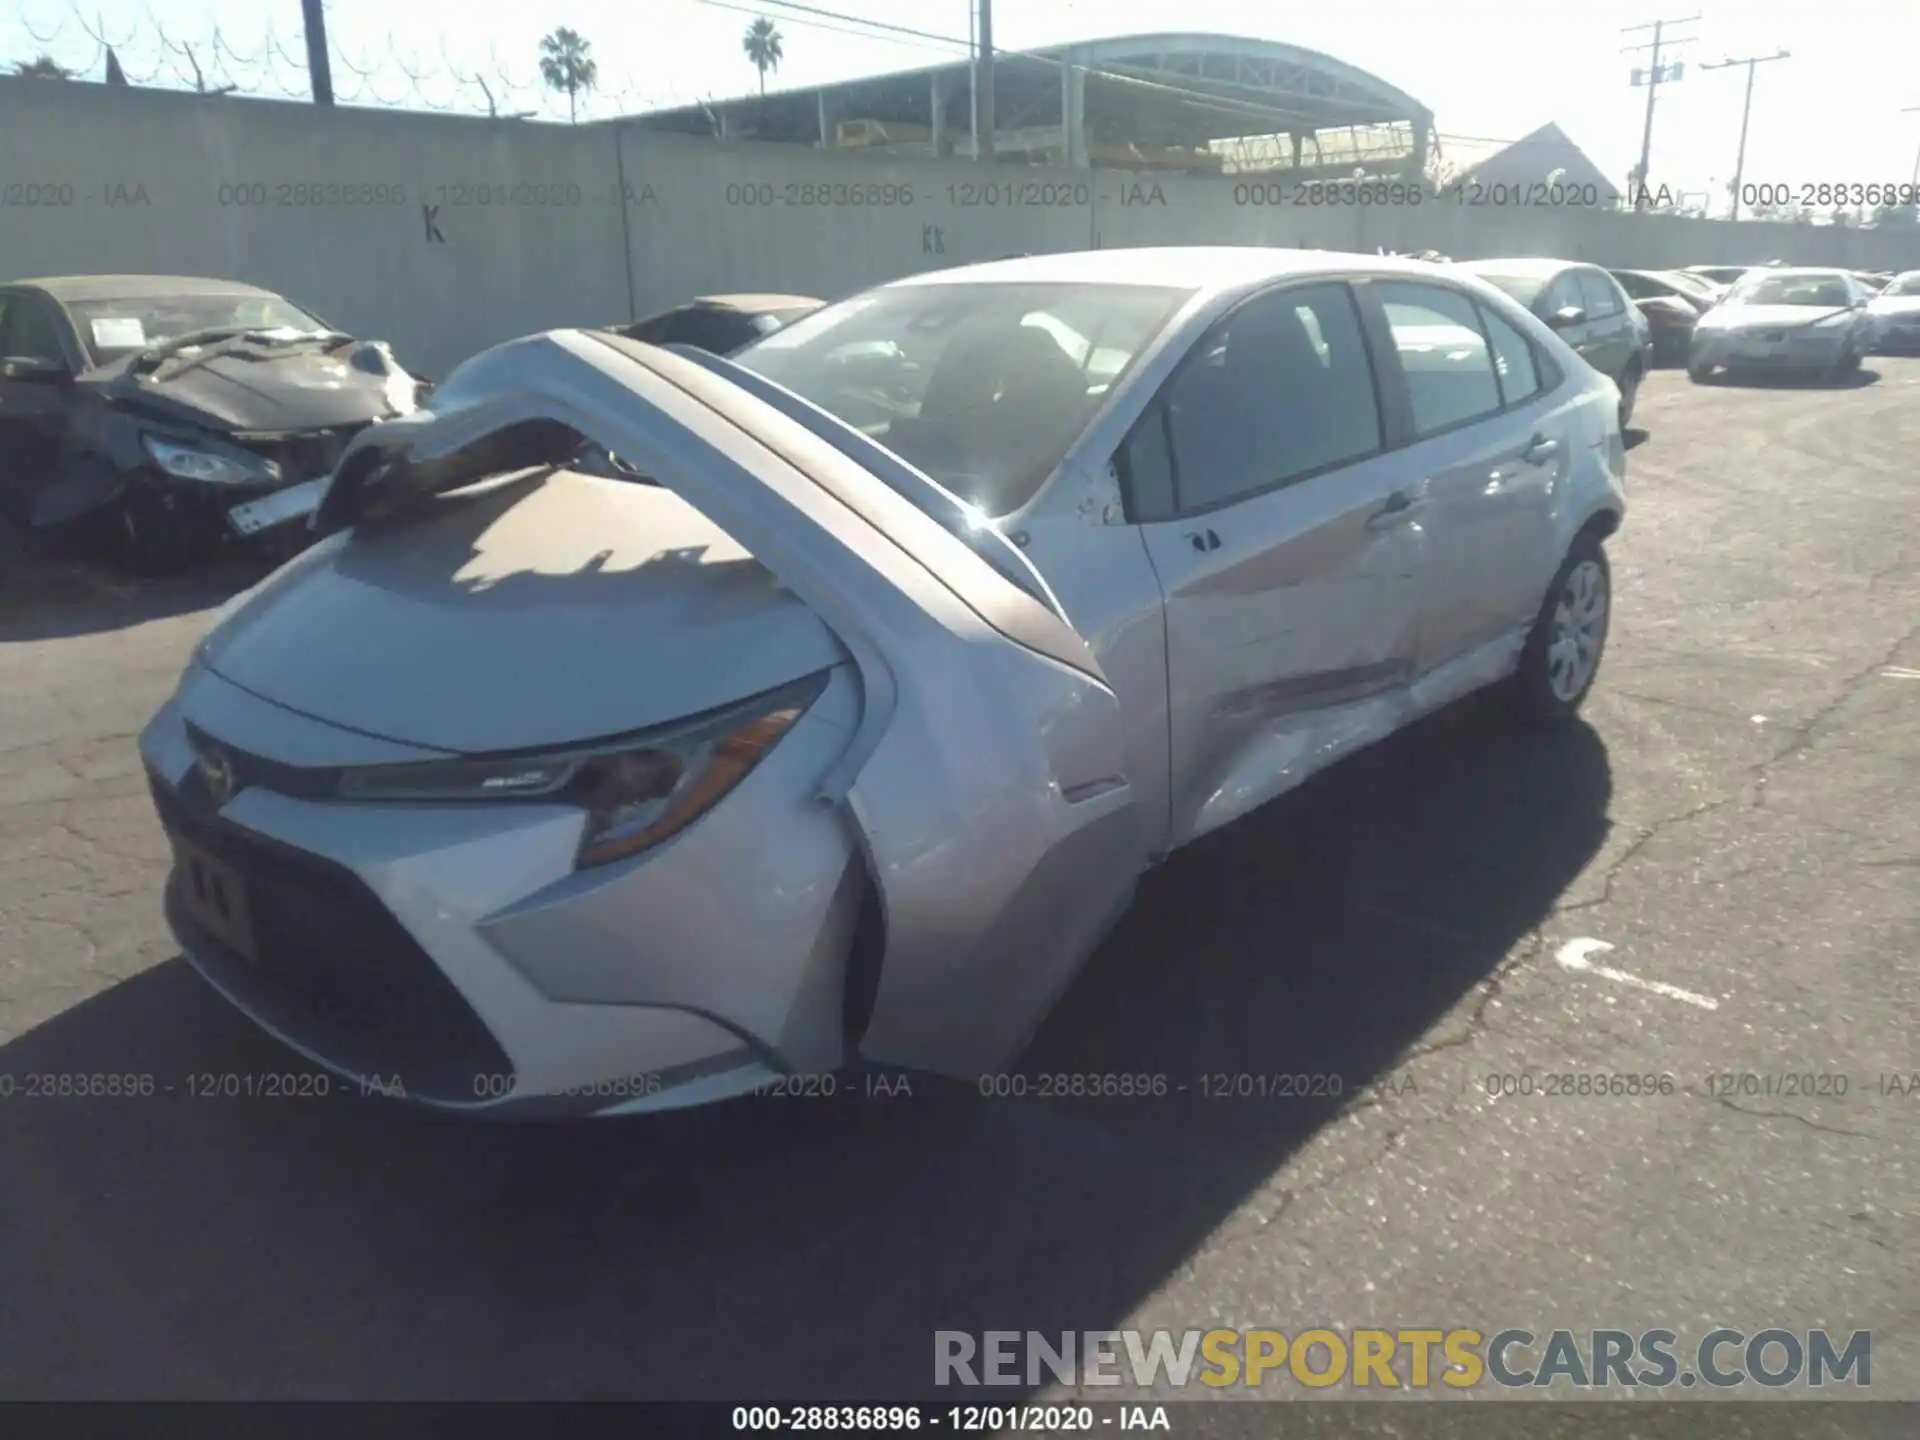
[
  {"x": 445, "y": 234},
  {"x": 331, "y": 209}
]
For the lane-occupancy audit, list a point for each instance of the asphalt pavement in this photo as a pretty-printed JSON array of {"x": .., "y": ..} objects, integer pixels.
[{"x": 1718, "y": 875}]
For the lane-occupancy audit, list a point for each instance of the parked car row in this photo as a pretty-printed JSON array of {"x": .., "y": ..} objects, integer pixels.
[{"x": 837, "y": 724}]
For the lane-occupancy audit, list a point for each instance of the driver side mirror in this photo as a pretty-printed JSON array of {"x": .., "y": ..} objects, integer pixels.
[
  {"x": 35, "y": 370},
  {"x": 1566, "y": 317}
]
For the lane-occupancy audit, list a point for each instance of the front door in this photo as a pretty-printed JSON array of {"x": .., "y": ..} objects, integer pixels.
[
  {"x": 1286, "y": 541},
  {"x": 1612, "y": 335},
  {"x": 32, "y": 412}
]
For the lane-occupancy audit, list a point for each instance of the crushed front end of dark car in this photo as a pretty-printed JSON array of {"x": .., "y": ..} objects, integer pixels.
[
  {"x": 227, "y": 441},
  {"x": 181, "y": 416}
]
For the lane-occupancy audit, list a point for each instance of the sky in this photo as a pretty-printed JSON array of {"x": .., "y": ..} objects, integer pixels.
[{"x": 1490, "y": 70}]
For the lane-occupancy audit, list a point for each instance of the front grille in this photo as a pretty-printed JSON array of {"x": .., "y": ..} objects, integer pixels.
[
  {"x": 308, "y": 456},
  {"x": 336, "y": 972}
]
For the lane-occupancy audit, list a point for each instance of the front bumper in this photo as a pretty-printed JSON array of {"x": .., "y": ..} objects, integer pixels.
[
  {"x": 1898, "y": 337},
  {"x": 269, "y": 513},
  {"x": 1771, "y": 349},
  {"x": 450, "y": 955}
]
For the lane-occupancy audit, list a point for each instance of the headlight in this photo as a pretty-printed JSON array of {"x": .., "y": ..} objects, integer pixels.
[
  {"x": 636, "y": 795},
  {"x": 186, "y": 463}
]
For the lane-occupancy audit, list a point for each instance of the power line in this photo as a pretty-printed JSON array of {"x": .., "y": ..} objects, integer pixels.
[
  {"x": 1746, "y": 113},
  {"x": 1655, "y": 73}
]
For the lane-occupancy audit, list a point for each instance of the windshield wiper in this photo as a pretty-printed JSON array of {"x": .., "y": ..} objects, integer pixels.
[
  {"x": 151, "y": 355},
  {"x": 225, "y": 340}
]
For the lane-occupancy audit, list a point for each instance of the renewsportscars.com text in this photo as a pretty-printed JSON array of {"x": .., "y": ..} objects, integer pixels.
[{"x": 1403, "y": 1358}]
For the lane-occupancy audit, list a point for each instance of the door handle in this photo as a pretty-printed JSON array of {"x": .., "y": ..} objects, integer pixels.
[
  {"x": 1539, "y": 450},
  {"x": 1400, "y": 506},
  {"x": 1204, "y": 540}
]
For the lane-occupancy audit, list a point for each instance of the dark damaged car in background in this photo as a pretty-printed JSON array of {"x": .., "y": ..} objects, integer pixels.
[{"x": 178, "y": 415}]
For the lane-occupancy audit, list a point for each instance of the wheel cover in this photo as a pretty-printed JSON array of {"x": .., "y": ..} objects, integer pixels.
[{"x": 1579, "y": 630}]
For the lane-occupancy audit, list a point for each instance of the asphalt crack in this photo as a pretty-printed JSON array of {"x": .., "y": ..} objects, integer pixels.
[{"x": 1824, "y": 1129}]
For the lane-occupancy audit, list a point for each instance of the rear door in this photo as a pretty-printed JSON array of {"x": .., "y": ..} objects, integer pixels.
[
  {"x": 986, "y": 782},
  {"x": 1492, "y": 447},
  {"x": 1286, "y": 541}
]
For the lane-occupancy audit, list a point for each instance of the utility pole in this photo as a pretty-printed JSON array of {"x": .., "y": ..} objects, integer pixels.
[
  {"x": 983, "y": 130},
  {"x": 1655, "y": 73},
  {"x": 1915, "y": 182},
  {"x": 319, "y": 69},
  {"x": 1746, "y": 113}
]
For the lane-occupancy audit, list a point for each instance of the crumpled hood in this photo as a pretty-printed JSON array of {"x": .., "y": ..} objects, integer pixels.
[
  {"x": 542, "y": 611},
  {"x": 1765, "y": 317},
  {"x": 262, "y": 387}
]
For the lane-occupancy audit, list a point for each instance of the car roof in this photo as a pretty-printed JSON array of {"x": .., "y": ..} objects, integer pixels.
[
  {"x": 1201, "y": 268},
  {"x": 121, "y": 287},
  {"x": 1804, "y": 272},
  {"x": 1536, "y": 265},
  {"x": 759, "y": 303}
]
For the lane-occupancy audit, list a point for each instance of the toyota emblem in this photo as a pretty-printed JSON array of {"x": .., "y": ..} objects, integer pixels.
[{"x": 216, "y": 773}]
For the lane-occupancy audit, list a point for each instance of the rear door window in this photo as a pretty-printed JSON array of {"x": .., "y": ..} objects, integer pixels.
[
  {"x": 1513, "y": 360},
  {"x": 1443, "y": 352}
]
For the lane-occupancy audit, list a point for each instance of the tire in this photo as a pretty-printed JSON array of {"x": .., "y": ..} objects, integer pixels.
[
  {"x": 1850, "y": 362},
  {"x": 149, "y": 539},
  {"x": 1552, "y": 681},
  {"x": 1629, "y": 392},
  {"x": 1700, "y": 372}
]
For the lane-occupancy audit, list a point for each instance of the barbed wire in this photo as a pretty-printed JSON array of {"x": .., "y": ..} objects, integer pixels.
[{"x": 272, "y": 63}]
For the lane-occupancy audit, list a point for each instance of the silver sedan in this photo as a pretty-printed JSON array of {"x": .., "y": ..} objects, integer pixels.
[
  {"x": 835, "y": 720},
  {"x": 1813, "y": 322}
]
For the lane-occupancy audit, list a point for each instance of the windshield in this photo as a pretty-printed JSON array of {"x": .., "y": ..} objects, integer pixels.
[
  {"x": 981, "y": 386},
  {"x": 1692, "y": 284},
  {"x": 1827, "y": 291},
  {"x": 1908, "y": 284},
  {"x": 118, "y": 327},
  {"x": 1524, "y": 288}
]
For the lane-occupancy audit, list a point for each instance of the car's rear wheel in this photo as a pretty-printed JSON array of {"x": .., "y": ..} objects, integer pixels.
[
  {"x": 1699, "y": 371},
  {"x": 1562, "y": 654}
]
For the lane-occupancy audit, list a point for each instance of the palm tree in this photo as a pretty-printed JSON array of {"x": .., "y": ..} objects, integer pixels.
[
  {"x": 566, "y": 63},
  {"x": 45, "y": 68},
  {"x": 762, "y": 44}
]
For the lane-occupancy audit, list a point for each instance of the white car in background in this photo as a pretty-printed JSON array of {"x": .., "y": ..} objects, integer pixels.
[
  {"x": 1896, "y": 314},
  {"x": 1798, "y": 321}
]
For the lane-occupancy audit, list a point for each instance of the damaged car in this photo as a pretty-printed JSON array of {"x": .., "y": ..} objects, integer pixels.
[
  {"x": 839, "y": 726},
  {"x": 178, "y": 413},
  {"x": 721, "y": 324}
]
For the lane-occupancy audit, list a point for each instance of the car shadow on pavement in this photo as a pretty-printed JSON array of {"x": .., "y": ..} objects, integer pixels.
[
  {"x": 346, "y": 1247},
  {"x": 1761, "y": 380},
  {"x": 54, "y": 587}
]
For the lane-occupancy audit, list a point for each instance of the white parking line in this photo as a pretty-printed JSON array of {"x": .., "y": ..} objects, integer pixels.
[
  {"x": 1573, "y": 956},
  {"x": 1899, "y": 672}
]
